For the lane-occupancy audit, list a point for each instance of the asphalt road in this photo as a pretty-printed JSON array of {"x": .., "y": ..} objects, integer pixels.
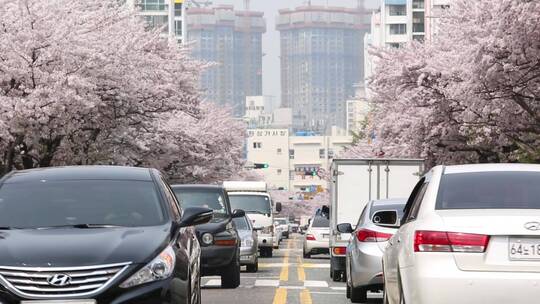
[{"x": 285, "y": 278}]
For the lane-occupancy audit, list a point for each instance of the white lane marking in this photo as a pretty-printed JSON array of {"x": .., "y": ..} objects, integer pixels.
[
  {"x": 280, "y": 265},
  {"x": 213, "y": 283},
  {"x": 319, "y": 284},
  {"x": 325, "y": 292},
  {"x": 308, "y": 265},
  {"x": 267, "y": 283},
  {"x": 293, "y": 287},
  {"x": 338, "y": 288}
]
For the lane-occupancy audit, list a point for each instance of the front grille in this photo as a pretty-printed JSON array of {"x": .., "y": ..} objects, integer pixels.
[{"x": 34, "y": 283}]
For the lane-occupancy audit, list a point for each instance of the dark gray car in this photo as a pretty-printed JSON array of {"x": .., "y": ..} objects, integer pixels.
[{"x": 250, "y": 244}]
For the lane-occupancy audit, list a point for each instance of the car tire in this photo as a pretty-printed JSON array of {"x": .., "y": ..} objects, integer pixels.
[
  {"x": 348, "y": 292},
  {"x": 270, "y": 252},
  {"x": 253, "y": 267},
  {"x": 307, "y": 255},
  {"x": 230, "y": 278},
  {"x": 336, "y": 275},
  {"x": 358, "y": 295}
]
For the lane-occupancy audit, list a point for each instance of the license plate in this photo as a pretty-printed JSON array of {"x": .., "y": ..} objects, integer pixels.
[
  {"x": 245, "y": 258},
  {"x": 524, "y": 249},
  {"x": 60, "y": 302}
]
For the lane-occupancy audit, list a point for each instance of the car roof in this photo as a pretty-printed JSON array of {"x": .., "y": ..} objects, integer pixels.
[
  {"x": 197, "y": 186},
  {"x": 79, "y": 173},
  {"x": 476, "y": 168}
]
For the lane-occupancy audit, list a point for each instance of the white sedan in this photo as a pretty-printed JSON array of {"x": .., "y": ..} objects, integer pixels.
[{"x": 470, "y": 234}]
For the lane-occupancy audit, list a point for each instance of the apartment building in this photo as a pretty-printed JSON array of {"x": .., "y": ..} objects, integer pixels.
[{"x": 167, "y": 15}]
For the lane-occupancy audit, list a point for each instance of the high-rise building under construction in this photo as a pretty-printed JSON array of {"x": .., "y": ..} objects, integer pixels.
[
  {"x": 321, "y": 61},
  {"x": 232, "y": 40}
]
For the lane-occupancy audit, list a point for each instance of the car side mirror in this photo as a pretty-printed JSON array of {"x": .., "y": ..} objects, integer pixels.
[
  {"x": 196, "y": 216},
  {"x": 386, "y": 218},
  {"x": 237, "y": 213},
  {"x": 345, "y": 228},
  {"x": 278, "y": 207}
]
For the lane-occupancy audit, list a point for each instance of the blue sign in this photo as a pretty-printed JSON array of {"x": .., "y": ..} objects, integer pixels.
[{"x": 395, "y": 2}]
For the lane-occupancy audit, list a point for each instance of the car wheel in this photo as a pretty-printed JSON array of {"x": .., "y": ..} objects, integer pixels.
[
  {"x": 348, "y": 293},
  {"x": 270, "y": 252},
  {"x": 336, "y": 275},
  {"x": 230, "y": 278},
  {"x": 307, "y": 255},
  {"x": 254, "y": 267},
  {"x": 358, "y": 295}
]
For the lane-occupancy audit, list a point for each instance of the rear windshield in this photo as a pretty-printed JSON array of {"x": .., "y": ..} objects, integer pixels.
[
  {"x": 211, "y": 199},
  {"x": 490, "y": 190},
  {"x": 251, "y": 203},
  {"x": 241, "y": 223},
  {"x": 320, "y": 222},
  {"x": 63, "y": 203}
]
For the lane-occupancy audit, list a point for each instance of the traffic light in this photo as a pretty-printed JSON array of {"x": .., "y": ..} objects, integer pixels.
[{"x": 261, "y": 166}]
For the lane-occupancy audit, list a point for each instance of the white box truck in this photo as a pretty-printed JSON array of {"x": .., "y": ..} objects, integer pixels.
[
  {"x": 254, "y": 199},
  {"x": 355, "y": 182}
]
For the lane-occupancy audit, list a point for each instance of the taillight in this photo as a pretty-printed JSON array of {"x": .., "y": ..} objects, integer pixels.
[
  {"x": 439, "y": 241},
  {"x": 369, "y": 236},
  {"x": 310, "y": 237},
  {"x": 340, "y": 250}
]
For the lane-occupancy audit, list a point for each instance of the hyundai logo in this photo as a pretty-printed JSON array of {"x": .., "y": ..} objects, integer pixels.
[
  {"x": 59, "y": 280},
  {"x": 534, "y": 226}
]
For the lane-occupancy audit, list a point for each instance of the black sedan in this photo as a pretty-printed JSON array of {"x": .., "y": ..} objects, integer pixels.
[
  {"x": 96, "y": 235},
  {"x": 220, "y": 242}
]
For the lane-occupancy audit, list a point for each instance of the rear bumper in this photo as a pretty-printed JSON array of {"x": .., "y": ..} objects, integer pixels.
[
  {"x": 311, "y": 246},
  {"x": 267, "y": 240},
  {"x": 213, "y": 258},
  {"x": 366, "y": 266},
  {"x": 248, "y": 255},
  {"x": 444, "y": 283}
]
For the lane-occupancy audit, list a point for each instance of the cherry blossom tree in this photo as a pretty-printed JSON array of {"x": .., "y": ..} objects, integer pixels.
[
  {"x": 83, "y": 82},
  {"x": 470, "y": 95}
]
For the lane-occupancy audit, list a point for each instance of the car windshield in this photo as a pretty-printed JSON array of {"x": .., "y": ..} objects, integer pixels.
[
  {"x": 251, "y": 203},
  {"x": 211, "y": 199},
  {"x": 490, "y": 190},
  {"x": 48, "y": 204},
  {"x": 282, "y": 221},
  {"x": 241, "y": 223},
  {"x": 320, "y": 222}
]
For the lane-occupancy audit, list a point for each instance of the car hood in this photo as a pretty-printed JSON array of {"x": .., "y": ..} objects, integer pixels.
[
  {"x": 216, "y": 225},
  {"x": 69, "y": 247}
]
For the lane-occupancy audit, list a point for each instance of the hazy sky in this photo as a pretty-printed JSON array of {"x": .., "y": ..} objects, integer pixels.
[{"x": 271, "y": 74}]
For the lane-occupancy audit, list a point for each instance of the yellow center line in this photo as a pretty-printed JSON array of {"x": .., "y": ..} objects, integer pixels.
[
  {"x": 305, "y": 297},
  {"x": 281, "y": 296},
  {"x": 300, "y": 270},
  {"x": 284, "y": 275}
]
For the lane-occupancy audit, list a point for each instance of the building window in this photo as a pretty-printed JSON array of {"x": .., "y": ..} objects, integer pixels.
[
  {"x": 291, "y": 154},
  {"x": 397, "y": 10},
  {"x": 398, "y": 29},
  {"x": 394, "y": 45},
  {"x": 153, "y": 5},
  {"x": 322, "y": 153},
  {"x": 279, "y": 151},
  {"x": 330, "y": 153},
  {"x": 292, "y": 174},
  {"x": 257, "y": 145},
  {"x": 418, "y": 4},
  {"x": 178, "y": 28},
  {"x": 278, "y": 171}
]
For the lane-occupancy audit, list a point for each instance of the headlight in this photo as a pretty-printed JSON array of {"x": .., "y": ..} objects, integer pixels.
[
  {"x": 207, "y": 238},
  {"x": 158, "y": 269},
  {"x": 247, "y": 242},
  {"x": 268, "y": 230}
]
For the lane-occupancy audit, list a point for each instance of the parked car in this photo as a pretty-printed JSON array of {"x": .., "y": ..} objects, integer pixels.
[
  {"x": 317, "y": 236},
  {"x": 366, "y": 246},
  {"x": 96, "y": 235},
  {"x": 284, "y": 226},
  {"x": 249, "y": 251},
  {"x": 472, "y": 229},
  {"x": 220, "y": 242}
]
